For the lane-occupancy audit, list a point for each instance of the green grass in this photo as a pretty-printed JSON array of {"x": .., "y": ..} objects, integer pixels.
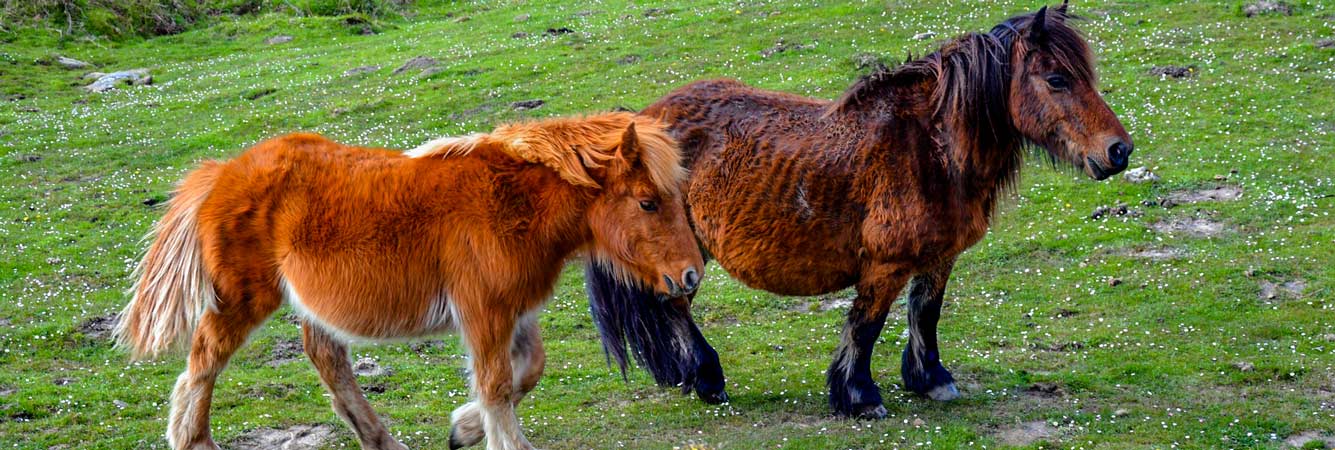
[{"x": 1032, "y": 303}]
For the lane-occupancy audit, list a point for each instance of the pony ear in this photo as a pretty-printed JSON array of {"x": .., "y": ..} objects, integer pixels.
[
  {"x": 629, "y": 149},
  {"x": 1038, "y": 28},
  {"x": 1062, "y": 9}
]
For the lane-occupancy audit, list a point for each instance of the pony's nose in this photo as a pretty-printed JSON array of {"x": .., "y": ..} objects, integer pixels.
[
  {"x": 1119, "y": 155},
  {"x": 690, "y": 279}
]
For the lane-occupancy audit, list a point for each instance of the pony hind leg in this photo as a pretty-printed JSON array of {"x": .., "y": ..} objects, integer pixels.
[
  {"x": 853, "y": 391},
  {"x": 218, "y": 336},
  {"x": 921, "y": 366},
  {"x": 330, "y": 357},
  {"x": 527, "y": 361}
]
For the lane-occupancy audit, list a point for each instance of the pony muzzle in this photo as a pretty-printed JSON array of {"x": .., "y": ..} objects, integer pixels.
[{"x": 689, "y": 282}]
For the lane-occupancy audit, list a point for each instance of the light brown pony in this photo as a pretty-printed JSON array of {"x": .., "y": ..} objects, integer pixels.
[
  {"x": 878, "y": 189},
  {"x": 462, "y": 234}
]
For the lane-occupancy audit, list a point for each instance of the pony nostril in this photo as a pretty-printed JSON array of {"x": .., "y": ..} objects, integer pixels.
[
  {"x": 690, "y": 279},
  {"x": 672, "y": 286},
  {"x": 1118, "y": 154}
]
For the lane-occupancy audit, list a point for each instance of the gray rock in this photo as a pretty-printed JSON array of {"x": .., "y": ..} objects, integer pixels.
[
  {"x": 297, "y": 437},
  {"x": 1140, "y": 175},
  {"x": 924, "y": 35},
  {"x": 109, "y": 81},
  {"x": 360, "y": 70},
  {"x": 419, "y": 63},
  {"x": 71, "y": 63},
  {"x": 367, "y": 367},
  {"x": 279, "y": 39}
]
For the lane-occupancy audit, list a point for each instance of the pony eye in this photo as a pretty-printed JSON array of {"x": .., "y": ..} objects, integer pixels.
[
  {"x": 649, "y": 205},
  {"x": 1058, "y": 82}
]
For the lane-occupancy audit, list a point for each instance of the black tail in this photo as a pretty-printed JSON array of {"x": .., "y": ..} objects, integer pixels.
[{"x": 660, "y": 334}]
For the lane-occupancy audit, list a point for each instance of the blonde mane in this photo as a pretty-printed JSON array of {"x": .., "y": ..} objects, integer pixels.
[{"x": 572, "y": 145}]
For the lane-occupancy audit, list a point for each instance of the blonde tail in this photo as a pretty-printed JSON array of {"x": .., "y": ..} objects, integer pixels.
[{"x": 172, "y": 287}]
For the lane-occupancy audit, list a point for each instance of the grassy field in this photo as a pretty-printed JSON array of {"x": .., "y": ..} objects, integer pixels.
[{"x": 1209, "y": 324}]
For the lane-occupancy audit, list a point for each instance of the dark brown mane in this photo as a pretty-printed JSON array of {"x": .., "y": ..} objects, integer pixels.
[{"x": 970, "y": 78}]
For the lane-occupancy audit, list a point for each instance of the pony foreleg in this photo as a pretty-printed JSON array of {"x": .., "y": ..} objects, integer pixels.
[
  {"x": 921, "y": 366},
  {"x": 527, "y": 360},
  {"x": 853, "y": 392},
  {"x": 489, "y": 339},
  {"x": 330, "y": 358}
]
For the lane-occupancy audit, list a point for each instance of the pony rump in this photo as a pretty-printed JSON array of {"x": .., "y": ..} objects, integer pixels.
[
  {"x": 172, "y": 287},
  {"x": 572, "y": 146}
]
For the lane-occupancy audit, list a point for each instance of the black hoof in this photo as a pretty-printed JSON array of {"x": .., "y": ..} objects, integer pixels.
[
  {"x": 932, "y": 380},
  {"x": 857, "y": 399},
  {"x": 455, "y": 444},
  {"x": 872, "y": 412}
]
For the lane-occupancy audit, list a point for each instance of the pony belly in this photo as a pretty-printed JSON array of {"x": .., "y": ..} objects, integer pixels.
[{"x": 438, "y": 316}]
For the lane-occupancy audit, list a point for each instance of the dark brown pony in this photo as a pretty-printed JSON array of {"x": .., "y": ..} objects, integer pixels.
[
  {"x": 879, "y": 189},
  {"x": 462, "y": 234}
]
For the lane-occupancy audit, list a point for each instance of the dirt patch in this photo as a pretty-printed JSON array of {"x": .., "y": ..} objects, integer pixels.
[
  {"x": 286, "y": 351},
  {"x": 527, "y": 104},
  {"x": 629, "y": 59},
  {"x": 1191, "y": 226},
  {"x": 1265, "y": 7},
  {"x": 296, "y": 437},
  {"x": 1026, "y": 433},
  {"x": 1217, "y": 194},
  {"x": 1270, "y": 290},
  {"x": 1302, "y": 440},
  {"x": 1177, "y": 72},
  {"x": 1045, "y": 389},
  {"x": 558, "y": 31},
  {"x": 98, "y": 328}
]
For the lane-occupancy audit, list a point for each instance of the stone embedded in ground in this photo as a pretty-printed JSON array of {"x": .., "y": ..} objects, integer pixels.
[
  {"x": 654, "y": 12},
  {"x": 1045, "y": 389},
  {"x": 360, "y": 70},
  {"x": 108, "y": 81},
  {"x": 1174, "y": 71},
  {"x": 1244, "y": 366},
  {"x": 519, "y": 35},
  {"x": 1216, "y": 194},
  {"x": 1264, "y": 7},
  {"x": 418, "y": 63},
  {"x": 780, "y": 46},
  {"x": 1192, "y": 226},
  {"x": 1027, "y": 433},
  {"x": 1270, "y": 290},
  {"x": 1325, "y": 43},
  {"x": 924, "y": 35},
  {"x": 28, "y": 157},
  {"x": 279, "y": 39},
  {"x": 527, "y": 104},
  {"x": 71, "y": 63},
  {"x": 1140, "y": 175},
  {"x": 1121, "y": 413},
  {"x": 367, "y": 367},
  {"x": 98, "y": 327},
  {"x": 296, "y": 437},
  {"x": 559, "y": 31},
  {"x": 63, "y": 381},
  {"x": 629, "y": 59},
  {"x": 120, "y": 404},
  {"x": 522, "y": 18}
]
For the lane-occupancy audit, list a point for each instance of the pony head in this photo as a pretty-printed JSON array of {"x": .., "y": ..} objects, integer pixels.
[
  {"x": 638, "y": 220},
  {"x": 1054, "y": 100}
]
